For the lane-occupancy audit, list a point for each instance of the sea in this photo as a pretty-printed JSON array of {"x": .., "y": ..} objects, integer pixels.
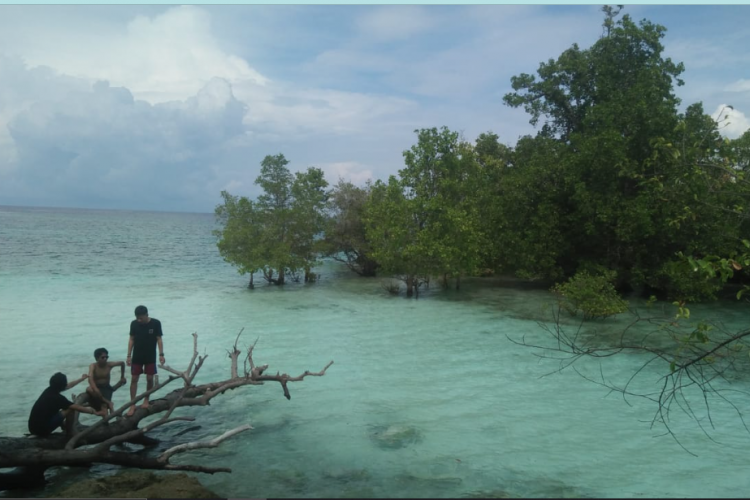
[{"x": 434, "y": 396}]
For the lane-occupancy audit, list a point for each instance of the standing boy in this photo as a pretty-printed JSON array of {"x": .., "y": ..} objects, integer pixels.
[
  {"x": 145, "y": 336},
  {"x": 100, "y": 390},
  {"x": 52, "y": 408}
]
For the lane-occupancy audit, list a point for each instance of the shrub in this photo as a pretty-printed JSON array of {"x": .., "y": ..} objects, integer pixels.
[
  {"x": 679, "y": 281},
  {"x": 593, "y": 295}
]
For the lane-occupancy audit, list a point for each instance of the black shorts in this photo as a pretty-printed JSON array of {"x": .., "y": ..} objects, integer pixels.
[{"x": 106, "y": 391}]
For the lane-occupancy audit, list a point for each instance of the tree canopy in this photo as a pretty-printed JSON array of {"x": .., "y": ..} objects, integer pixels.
[{"x": 275, "y": 234}]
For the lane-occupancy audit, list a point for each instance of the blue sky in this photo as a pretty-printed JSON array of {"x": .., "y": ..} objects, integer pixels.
[{"x": 162, "y": 107}]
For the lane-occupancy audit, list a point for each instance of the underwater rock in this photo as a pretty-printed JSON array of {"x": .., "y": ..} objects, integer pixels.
[
  {"x": 138, "y": 484},
  {"x": 295, "y": 480},
  {"x": 395, "y": 436},
  {"x": 347, "y": 475},
  {"x": 489, "y": 494},
  {"x": 357, "y": 493},
  {"x": 438, "y": 481},
  {"x": 550, "y": 488}
]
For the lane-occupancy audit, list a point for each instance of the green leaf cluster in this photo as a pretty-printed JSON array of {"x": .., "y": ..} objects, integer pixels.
[
  {"x": 425, "y": 222},
  {"x": 592, "y": 295},
  {"x": 344, "y": 238}
]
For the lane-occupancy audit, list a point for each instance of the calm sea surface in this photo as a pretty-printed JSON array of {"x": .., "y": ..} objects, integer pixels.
[{"x": 426, "y": 397}]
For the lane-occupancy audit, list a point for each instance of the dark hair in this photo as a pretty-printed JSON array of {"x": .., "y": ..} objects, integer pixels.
[
  {"x": 58, "y": 381},
  {"x": 141, "y": 311},
  {"x": 99, "y": 352}
]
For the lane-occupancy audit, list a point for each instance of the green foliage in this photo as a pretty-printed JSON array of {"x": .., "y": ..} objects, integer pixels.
[
  {"x": 345, "y": 239},
  {"x": 680, "y": 281},
  {"x": 616, "y": 176},
  {"x": 592, "y": 295},
  {"x": 616, "y": 179},
  {"x": 521, "y": 202},
  {"x": 425, "y": 222},
  {"x": 601, "y": 107},
  {"x": 274, "y": 234}
]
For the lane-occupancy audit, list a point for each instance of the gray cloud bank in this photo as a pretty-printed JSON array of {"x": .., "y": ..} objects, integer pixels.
[
  {"x": 101, "y": 147},
  {"x": 158, "y": 113}
]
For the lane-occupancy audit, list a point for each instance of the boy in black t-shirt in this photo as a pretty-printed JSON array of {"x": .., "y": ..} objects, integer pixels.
[
  {"x": 52, "y": 408},
  {"x": 145, "y": 336}
]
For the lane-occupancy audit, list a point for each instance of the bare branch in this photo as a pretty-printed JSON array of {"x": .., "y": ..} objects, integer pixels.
[
  {"x": 164, "y": 457},
  {"x": 694, "y": 361}
]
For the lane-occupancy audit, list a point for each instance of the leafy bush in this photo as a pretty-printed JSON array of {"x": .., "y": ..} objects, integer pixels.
[
  {"x": 680, "y": 281},
  {"x": 593, "y": 295}
]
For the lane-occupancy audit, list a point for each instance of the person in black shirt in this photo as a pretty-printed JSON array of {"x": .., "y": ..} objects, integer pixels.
[
  {"x": 52, "y": 408},
  {"x": 145, "y": 336}
]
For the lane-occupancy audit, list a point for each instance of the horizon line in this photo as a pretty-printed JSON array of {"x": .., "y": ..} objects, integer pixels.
[{"x": 106, "y": 209}]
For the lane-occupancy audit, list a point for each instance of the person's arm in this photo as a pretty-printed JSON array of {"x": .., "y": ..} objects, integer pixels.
[
  {"x": 161, "y": 349},
  {"x": 130, "y": 349},
  {"x": 121, "y": 364},
  {"x": 76, "y": 381}
]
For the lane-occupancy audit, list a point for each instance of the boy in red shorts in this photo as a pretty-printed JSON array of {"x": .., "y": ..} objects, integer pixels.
[{"x": 145, "y": 336}]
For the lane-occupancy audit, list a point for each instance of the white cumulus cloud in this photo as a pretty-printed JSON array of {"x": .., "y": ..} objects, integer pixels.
[
  {"x": 166, "y": 57},
  {"x": 351, "y": 171},
  {"x": 740, "y": 85}
]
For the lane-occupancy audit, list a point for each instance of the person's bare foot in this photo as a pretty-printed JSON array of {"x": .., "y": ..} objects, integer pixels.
[
  {"x": 131, "y": 411},
  {"x": 144, "y": 404}
]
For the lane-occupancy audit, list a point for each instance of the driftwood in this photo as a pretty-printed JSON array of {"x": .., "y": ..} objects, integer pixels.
[{"x": 93, "y": 444}]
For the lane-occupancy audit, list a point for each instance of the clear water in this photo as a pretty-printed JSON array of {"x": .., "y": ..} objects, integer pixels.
[{"x": 426, "y": 397}]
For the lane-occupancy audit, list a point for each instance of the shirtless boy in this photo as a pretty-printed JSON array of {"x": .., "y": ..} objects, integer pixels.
[{"x": 99, "y": 389}]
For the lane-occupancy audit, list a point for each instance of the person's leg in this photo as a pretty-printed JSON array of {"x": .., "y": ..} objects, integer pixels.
[
  {"x": 56, "y": 422},
  {"x": 95, "y": 401},
  {"x": 107, "y": 392},
  {"x": 70, "y": 421},
  {"x": 149, "y": 386},
  {"x": 134, "y": 387},
  {"x": 150, "y": 370}
]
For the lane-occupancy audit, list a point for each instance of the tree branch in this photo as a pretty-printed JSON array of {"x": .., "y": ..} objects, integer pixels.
[{"x": 164, "y": 457}]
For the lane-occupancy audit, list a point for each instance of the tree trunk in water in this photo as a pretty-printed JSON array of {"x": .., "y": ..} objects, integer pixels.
[
  {"x": 250, "y": 285},
  {"x": 409, "y": 285},
  {"x": 458, "y": 281},
  {"x": 280, "y": 280}
]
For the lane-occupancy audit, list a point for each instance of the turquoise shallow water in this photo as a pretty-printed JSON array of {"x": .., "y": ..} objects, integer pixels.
[{"x": 426, "y": 397}]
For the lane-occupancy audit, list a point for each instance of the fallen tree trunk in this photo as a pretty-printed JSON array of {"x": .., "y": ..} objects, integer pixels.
[{"x": 92, "y": 444}]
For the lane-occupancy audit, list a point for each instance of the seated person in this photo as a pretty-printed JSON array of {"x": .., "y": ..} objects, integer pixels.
[
  {"x": 100, "y": 390},
  {"x": 52, "y": 408}
]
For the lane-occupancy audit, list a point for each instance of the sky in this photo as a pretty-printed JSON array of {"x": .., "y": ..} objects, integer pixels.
[{"x": 144, "y": 107}]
